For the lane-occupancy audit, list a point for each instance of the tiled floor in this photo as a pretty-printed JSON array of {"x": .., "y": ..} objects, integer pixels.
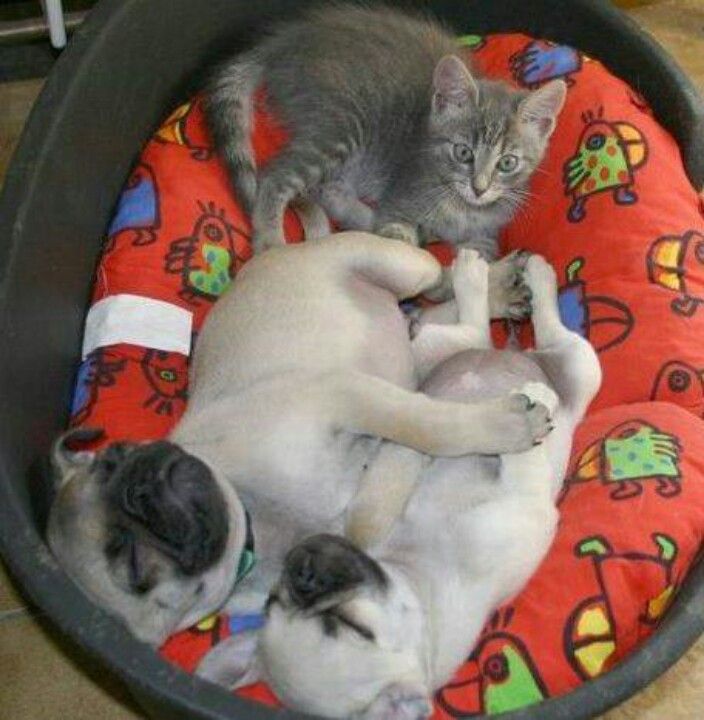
[{"x": 44, "y": 678}]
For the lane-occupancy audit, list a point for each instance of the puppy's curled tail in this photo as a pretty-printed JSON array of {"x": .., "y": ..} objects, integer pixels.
[{"x": 229, "y": 106}]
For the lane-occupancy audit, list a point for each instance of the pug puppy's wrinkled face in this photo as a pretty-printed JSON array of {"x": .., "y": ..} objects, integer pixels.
[
  {"x": 146, "y": 531},
  {"x": 344, "y": 638}
]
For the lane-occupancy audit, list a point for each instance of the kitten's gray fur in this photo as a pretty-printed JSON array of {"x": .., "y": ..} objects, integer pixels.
[{"x": 376, "y": 102}]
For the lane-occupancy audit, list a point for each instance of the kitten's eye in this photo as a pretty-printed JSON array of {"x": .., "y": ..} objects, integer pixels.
[
  {"x": 463, "y": 153},
  {"x": 507, "y": 163}
]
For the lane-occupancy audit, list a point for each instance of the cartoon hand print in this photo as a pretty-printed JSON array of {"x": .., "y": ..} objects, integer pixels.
[
  {"x": 179, "y": 128},
  {"x": 679, "y": 383},
  {"x": 499, "y": 676},
  {"x": 608, "y": 154},
  {"x": 632, "y": 453},
  {"x": 209, "y": 257},
  {"x": 168, "y": 380},
  {"x": 137, "y": 209},
  {"x": 594, "y": 629},
  {"x": 675, "y": 262},
  {"x": 541, "y": 61},
  {"x": 602, "y": 320}
]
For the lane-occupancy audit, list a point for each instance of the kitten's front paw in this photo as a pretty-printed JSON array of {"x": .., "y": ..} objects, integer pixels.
[
  {"x": 400, "y": 231},
  {"x": 509, "y": 295},
  {"x": 529, "y": 421}
]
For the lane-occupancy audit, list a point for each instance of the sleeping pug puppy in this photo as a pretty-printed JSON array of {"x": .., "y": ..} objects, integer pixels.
[
  {"x": 374, "y": 634},
  {"x": 301, "y": 368}
]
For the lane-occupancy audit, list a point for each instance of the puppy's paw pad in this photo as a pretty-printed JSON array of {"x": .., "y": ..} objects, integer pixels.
[{"x": 538, "y": 392}]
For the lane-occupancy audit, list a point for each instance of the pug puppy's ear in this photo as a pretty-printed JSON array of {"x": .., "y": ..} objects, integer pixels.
[
  {"x": 400, "y": 701},
  {"x": 233, "y": 663},
  {"x": 64, "y": 461}
]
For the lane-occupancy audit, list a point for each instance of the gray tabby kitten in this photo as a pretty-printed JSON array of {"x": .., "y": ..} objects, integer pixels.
[{"x": 379, "y": 107}]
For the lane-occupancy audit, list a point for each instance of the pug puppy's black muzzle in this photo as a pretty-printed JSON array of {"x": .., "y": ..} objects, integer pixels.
[{"x": 327, "y": 566}]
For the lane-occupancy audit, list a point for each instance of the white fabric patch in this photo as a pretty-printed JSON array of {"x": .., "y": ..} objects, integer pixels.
[{"x": 137, "y": 320}]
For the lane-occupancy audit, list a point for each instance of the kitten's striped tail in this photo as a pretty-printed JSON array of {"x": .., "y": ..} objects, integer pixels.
[{"x": 229, "y": 107}]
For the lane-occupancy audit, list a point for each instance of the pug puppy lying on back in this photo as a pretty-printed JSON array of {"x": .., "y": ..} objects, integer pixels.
[
  {"x": 301, "y": 368},
  {"x": 374, "y": 634}
]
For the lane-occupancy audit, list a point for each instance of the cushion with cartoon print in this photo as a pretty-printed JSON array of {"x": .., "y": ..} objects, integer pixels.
[{"x": 612, "y": 209}]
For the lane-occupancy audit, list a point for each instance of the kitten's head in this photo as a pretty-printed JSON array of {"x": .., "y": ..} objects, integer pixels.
[{"x": 487, "y": 138}]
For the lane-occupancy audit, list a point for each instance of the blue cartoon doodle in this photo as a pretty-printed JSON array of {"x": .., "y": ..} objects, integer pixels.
[
  {"x": 541, "y": 61},
  {"x": 603, "y": 320},
  {"x": 137, "y": 209}
]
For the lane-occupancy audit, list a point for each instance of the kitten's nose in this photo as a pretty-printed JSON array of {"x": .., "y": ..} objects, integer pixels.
[{"x": 479, "y": 188}]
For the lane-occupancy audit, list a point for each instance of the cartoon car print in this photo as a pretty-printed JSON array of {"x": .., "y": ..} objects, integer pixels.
[
  {"x": 209, "y": 257},
  {"x": 499, "y": 676},
  {"x": 676, "y": 262},
  {"x": 607, "y": 157},
  {"x": 602, "y": 320},
  {"x": 633, "y": 453},
  {"x": 595, "y": 628},
  {"x": 541, "y": 61}
]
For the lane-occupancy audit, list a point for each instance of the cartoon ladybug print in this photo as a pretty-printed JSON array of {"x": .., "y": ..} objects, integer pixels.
[
  {"x": 209, "y": 257},
  {"x": 608, "y": 154}
]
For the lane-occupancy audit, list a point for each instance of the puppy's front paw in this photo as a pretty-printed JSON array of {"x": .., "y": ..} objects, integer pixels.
[
  {"x": 471, "y": 272},
  {"x": 540, "y": 276},
  {"x": 400, "y": 231},
  {"x": 509, "y": 295},
  {"x": 531, "y": 421}
]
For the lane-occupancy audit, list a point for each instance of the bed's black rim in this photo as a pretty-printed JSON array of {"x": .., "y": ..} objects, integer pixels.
[{"x": 160, "y": 686}]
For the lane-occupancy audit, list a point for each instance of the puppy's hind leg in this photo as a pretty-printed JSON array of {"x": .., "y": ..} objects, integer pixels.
[{"x": 435, "y": 343}]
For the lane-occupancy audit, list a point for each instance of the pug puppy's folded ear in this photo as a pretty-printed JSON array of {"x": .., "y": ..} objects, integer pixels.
[
  {"x": 233, "y": 663},
  {"x": 399, "y": 701},
  {"x": 64, "y": 461},
  {"x": 174, "y": 498}
]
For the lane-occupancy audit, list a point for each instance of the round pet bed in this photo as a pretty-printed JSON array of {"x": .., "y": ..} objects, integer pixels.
[{"x": 614, "y": 211}]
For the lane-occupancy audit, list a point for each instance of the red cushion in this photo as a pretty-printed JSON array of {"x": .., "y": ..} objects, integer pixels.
[{"x": 627, "y": 247}]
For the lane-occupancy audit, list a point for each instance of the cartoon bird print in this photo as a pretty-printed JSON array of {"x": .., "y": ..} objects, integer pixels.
[
  {"x": 499, "y": 676},
  {"x": 137, "y": 211},
  {"x": 676, "y": 263},
  {"x": 209, "y": 257},
  {"x": 632, "y": 453},
  {"x": 608, "y": 154},
  {"x": 183, "y": 128},
  {"x": 601, "y": 623},
  {"x": 603, "y": 320},
  {"x": 167, "y": 378},
  {"x": 680, "y": 383},
  {"x": 540, "y": 61},
  {"x": 97, "y": 371}
]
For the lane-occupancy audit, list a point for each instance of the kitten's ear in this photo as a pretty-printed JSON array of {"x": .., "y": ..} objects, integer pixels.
[
  {"x": 400, "y": 701},
  {"x": 233, "y": 663},
  {"x": 540, "y": 109},
  {"x": 453, "y": 85}
]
